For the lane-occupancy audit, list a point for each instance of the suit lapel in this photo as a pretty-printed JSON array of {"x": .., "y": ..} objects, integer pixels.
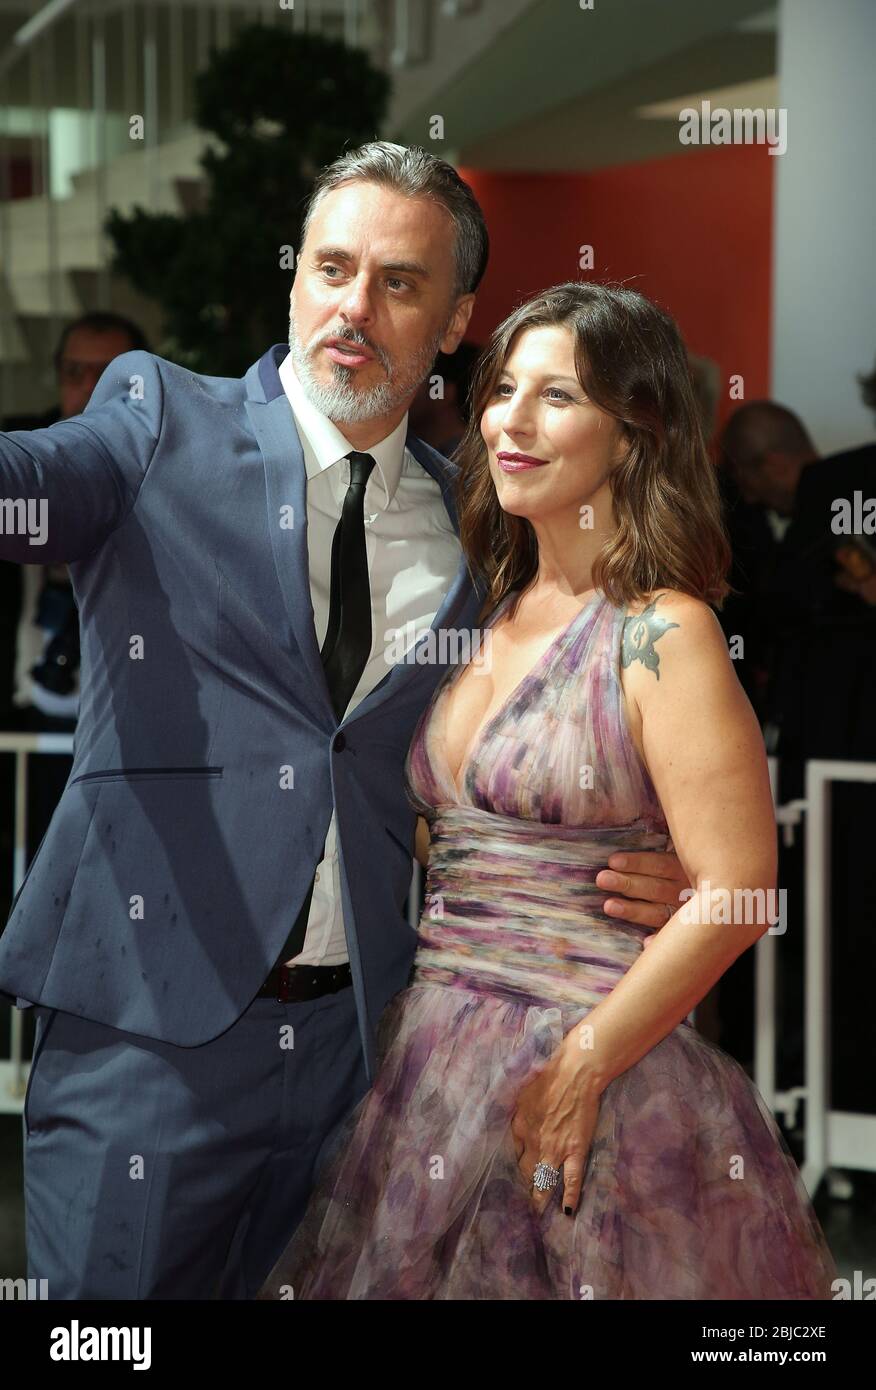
[
  {"x": 286, "y": 487},
  {"x": 461, "y": 602}
]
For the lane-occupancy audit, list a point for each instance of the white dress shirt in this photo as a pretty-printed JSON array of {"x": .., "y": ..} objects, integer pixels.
[
  {"x": 413, "y": 554},
  {"x": 778, "y": 524}
]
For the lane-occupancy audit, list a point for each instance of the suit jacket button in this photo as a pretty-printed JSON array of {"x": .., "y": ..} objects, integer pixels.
[{"x": 340, "y": 743}]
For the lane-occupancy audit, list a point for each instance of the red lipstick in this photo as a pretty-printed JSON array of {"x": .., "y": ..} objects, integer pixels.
[{"x": 516, "y": 463}]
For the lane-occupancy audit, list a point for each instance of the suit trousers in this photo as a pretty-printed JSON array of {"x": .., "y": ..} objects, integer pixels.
[{"x": 153, "y": 1171}]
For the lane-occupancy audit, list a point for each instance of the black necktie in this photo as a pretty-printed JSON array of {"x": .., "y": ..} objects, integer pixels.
[{"x": 347, "y": 643}]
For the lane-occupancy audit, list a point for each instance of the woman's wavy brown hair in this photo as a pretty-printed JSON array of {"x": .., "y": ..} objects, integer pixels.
[{"x": 632, "y": 363}]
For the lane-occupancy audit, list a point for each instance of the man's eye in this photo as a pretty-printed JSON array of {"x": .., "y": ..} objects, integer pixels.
[
  {"x": 401, "y": 284},
  {"x": 326, "y": 268}
]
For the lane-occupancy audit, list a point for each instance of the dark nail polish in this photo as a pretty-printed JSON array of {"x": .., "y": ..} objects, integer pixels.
[{"x": 568, "y": 1211}]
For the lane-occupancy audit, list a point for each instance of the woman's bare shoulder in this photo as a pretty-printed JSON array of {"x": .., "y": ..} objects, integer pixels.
[
  {"x": 666, "y": 600},
  {"x": 678, "y": 622}
]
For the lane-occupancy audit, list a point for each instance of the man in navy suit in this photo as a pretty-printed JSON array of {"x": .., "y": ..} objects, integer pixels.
[{"x": 213, "y": 924}]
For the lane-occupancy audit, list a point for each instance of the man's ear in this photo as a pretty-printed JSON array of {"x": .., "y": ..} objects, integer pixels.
[{"x": 458, "y": 323}]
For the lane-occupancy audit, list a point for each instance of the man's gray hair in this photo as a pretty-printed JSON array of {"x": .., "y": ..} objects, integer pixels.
[{"x": 416, "y": 173}]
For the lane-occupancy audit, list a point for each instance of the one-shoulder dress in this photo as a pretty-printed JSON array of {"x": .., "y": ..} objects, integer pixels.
[{"x": 690, "y": 1190}]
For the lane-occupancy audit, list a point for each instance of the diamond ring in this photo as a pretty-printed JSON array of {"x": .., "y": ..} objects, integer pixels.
[{"x": 545, "y": 1177}]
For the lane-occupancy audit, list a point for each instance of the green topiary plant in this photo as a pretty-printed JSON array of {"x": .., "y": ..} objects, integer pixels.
[{"x": 284, "y": 105}]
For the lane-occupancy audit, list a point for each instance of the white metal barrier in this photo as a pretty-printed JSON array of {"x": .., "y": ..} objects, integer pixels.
[
  {"x": 13, "y": 1073},
  {"x": 833, "y": 1138}
]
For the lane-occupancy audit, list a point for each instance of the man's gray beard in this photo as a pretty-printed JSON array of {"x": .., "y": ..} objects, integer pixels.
[{"x": 342, "y": 402}]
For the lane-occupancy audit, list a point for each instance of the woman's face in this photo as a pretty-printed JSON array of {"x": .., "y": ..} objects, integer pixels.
[{"x": 539, "y": 410}]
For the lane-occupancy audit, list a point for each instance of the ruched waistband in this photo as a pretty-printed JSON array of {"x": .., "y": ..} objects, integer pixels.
[{"x": 511, "y": 907}]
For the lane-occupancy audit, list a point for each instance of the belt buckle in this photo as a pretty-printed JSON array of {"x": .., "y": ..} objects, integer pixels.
[{"x": 284, "y": 995}]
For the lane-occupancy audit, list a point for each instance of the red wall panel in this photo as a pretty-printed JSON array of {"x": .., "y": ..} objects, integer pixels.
[{"x": 692, "y": 231}]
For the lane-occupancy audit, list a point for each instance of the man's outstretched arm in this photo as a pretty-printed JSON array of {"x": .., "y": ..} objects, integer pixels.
[{"x": 65, "y": 489}]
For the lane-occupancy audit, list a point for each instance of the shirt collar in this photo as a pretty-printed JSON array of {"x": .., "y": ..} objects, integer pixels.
[
  {"x": 778, "y": 524},
  {"x": 327, "y": 444}
]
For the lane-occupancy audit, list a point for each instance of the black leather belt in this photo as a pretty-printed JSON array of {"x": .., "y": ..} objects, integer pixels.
[{"x": 290, "y": 984}]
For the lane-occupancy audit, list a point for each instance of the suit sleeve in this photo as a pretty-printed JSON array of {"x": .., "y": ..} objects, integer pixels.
[{"x": 65, "y": 489}]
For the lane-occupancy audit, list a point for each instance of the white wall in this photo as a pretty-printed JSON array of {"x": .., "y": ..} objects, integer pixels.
[{"x": 824, "y": 270}]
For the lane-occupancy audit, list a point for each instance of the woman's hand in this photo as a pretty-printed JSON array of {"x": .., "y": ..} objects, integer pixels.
[{"x": 555, "y": 1121}]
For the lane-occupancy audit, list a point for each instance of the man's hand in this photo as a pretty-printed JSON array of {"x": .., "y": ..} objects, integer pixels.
[{"x": 647, "y": 883}]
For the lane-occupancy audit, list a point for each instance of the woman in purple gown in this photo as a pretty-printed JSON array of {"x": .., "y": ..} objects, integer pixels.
[{"x": 545, "y": 1122}]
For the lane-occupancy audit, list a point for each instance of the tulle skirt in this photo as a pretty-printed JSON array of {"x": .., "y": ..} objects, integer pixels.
[{"x": 690, "y": 1191}]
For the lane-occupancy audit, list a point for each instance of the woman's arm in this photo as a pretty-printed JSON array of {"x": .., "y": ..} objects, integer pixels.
[
  {"x": 705, "y": 753},
  {"x": 421, "y": 841}
]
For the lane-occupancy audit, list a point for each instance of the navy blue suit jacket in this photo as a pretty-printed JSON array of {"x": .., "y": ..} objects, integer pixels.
[{"x": 176, "y": 861}]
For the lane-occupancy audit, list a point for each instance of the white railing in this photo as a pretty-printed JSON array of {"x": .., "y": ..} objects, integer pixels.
[
  {"x": 833, "y": 1138},
  {"x": 13, "y": 1073}
]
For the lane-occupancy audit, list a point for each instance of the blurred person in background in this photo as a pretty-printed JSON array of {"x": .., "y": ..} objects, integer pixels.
[
  {"x": 441, "y": 420},
  {"x": 39, "y": 622},
  {"x": 807, "y": 613},
  {"x": 822, "y": 706},
  {"x": 821, "y": 688},
  {"x": 705, "y": 375},
  {"x": 841, "y": 560},
  {"x": 763, "y": 451}
]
